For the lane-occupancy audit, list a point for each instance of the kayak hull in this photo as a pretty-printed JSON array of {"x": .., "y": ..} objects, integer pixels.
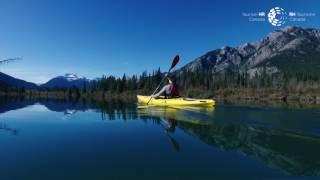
[{"x": 176, "y": 101}]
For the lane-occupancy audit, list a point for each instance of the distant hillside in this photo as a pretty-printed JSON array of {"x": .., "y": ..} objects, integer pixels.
[
  {"x": 291, "y": 49},
  {"x": 9, "y": 81}
]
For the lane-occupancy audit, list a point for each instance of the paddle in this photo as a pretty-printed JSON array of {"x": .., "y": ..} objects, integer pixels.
[
  {"x": 173, "y": 64},
  {"x": 175, "y": 144}
]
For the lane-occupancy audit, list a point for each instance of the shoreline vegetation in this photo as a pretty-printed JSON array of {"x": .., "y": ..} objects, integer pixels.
[
  {"x": 130, "y": 98},
  {"x": 302, "y": 88},
  {"x": 226, "y": 95}
]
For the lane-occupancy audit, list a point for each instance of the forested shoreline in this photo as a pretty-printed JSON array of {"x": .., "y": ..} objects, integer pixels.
[{"x": 301, "y": 87}]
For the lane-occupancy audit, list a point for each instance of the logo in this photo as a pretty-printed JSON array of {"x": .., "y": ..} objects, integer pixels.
[{"x": 277, "y": 16}]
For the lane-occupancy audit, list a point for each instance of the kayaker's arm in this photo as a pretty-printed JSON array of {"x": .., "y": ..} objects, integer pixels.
[{"x": 164, "y": 89}]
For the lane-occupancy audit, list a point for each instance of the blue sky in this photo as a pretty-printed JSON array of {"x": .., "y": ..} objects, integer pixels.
[{"x": 91, "y": 38}]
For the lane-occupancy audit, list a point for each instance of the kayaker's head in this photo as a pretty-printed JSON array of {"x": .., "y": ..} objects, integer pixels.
[{"x": 171, "y": 79}]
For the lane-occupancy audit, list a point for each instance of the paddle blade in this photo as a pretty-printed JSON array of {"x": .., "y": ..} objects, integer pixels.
[{"x": 175, "y": 61}]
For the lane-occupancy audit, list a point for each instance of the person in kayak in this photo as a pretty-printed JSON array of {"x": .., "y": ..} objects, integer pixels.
[{"x": 170, "y": 90}]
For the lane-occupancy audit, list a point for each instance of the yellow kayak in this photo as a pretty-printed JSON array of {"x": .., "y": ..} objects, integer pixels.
[{"x": 176, "y": 101}]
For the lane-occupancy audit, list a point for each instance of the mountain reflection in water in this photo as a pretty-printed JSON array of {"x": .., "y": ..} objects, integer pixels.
[{"x": 277, "y": 137}]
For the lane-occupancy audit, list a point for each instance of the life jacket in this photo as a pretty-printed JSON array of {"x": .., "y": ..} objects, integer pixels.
[{"x": 174, "y": 92}]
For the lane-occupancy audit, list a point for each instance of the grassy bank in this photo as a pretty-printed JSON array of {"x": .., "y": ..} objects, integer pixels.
[
  {"x": 312, "y": 97},
  {"x": 67, "y": 95}
]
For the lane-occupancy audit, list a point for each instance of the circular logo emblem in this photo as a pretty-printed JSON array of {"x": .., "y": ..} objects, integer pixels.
[{"x": 277, "y": 16}]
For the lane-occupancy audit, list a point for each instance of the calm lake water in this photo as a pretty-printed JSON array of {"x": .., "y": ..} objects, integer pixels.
[{"x": 114, "y": 140}]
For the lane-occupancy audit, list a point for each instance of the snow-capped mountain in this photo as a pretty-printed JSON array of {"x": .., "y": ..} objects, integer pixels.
[
  {"x": 67, "y": 81},
  {"x": 71, "y": 77}
]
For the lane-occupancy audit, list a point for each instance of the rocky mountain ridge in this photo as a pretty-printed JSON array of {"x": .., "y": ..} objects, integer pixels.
[{"x": 288, "y": 47}]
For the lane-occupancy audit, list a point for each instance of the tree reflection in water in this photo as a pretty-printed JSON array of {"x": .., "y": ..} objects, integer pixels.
[{"x": 295, "y": 152}]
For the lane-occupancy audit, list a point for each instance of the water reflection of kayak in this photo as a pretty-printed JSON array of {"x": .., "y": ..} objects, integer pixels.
[{"x": 194, "y": 115}]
